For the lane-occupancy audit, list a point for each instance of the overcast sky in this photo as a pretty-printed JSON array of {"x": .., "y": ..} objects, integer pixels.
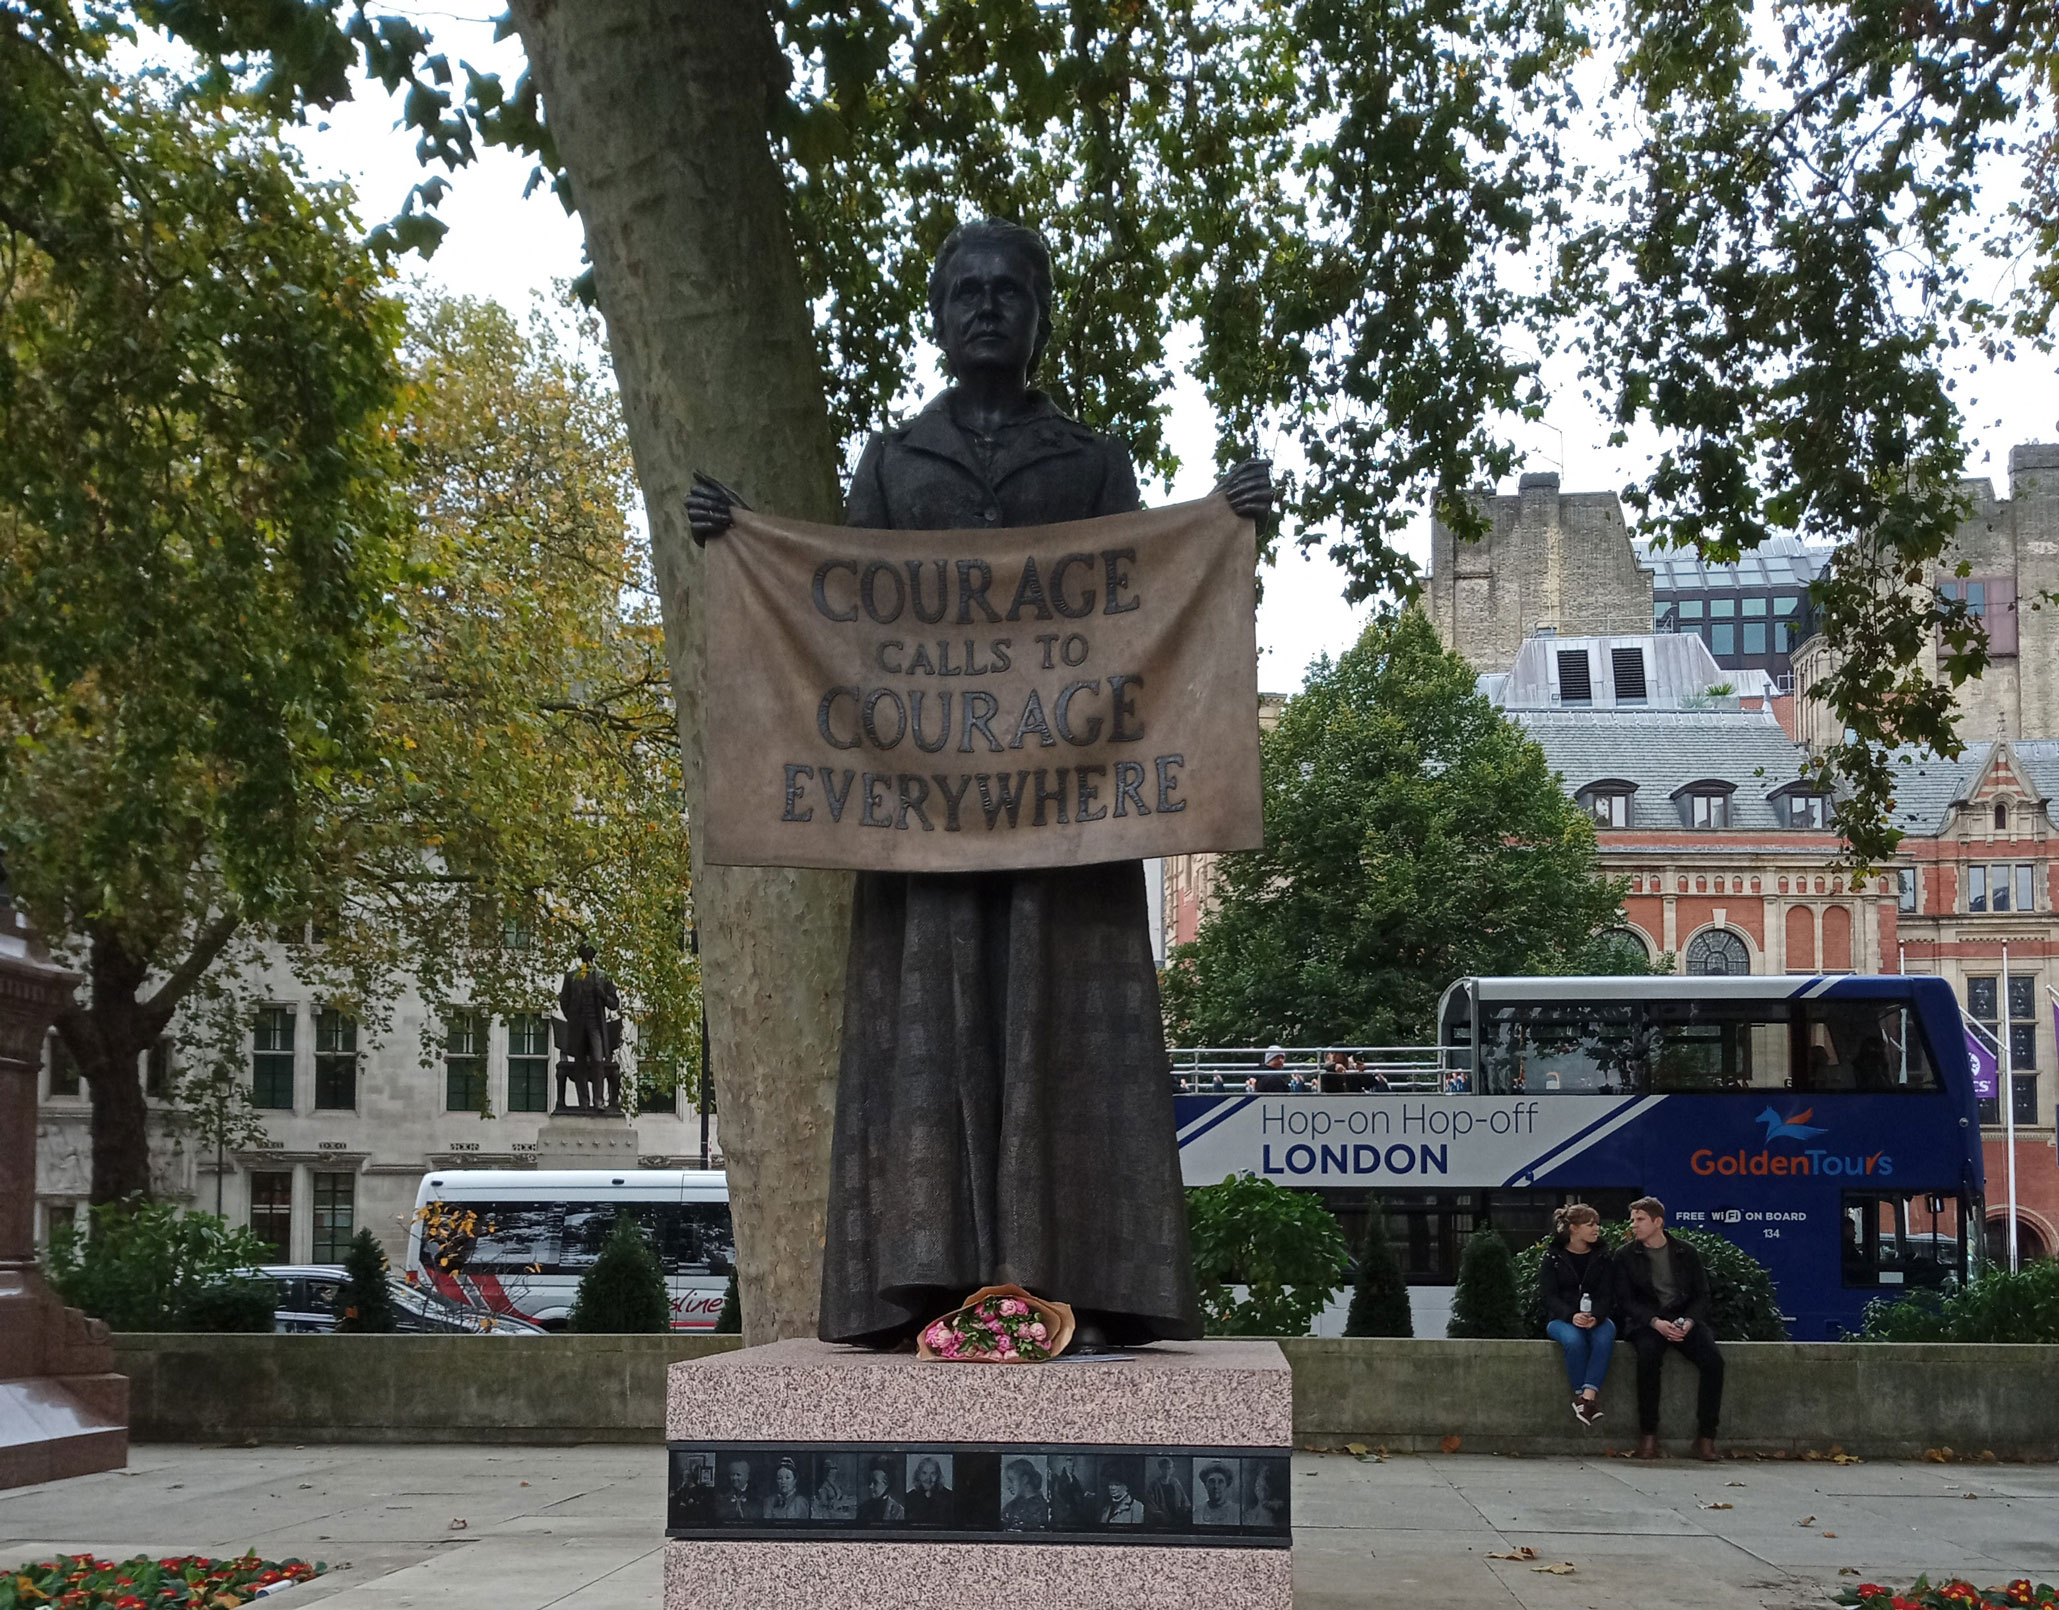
[{"x": 507, "y": 248}]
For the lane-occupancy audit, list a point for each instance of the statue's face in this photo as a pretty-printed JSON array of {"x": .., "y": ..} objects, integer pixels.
[{"x": 989, "y": 315}]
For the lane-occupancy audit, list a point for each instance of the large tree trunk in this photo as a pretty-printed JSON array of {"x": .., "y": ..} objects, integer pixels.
[
  {"x": 659, "y": 112},
  {"x": 105, "y": 1036}
]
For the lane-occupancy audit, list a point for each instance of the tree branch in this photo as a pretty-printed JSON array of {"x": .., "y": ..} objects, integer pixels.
[{"x": 213, "y": 937}]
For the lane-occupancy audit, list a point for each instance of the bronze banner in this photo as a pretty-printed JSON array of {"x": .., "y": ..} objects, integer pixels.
[{"x": 965, "y": 701}]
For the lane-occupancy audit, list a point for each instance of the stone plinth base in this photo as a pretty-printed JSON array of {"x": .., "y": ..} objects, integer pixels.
[
  {"x": 599, "y": 1142},
  {"x": 752, "y": 1576},
  {"x": 808, "y": 1475},
  {"x": 63, "y": 1410}
]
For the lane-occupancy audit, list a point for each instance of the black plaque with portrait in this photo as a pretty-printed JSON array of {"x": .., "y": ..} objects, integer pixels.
[{"x": 983, "y": 1492}]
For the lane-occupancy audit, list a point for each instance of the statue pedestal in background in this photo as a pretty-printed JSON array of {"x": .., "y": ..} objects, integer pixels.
[
  {"x": 818, "y": 1477},
  {"x": 605, "y": 1140},
  {"x": 63, "y": 1410}
]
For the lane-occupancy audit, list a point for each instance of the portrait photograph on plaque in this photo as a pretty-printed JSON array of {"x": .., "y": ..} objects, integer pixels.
[
  {"x": 1168, "y": 1492},
  {"x": 835, "y": 1497},
  {"x": 788, "y": 1500},
  {"x": 1216, "y": 1493},
  {"x": 1265, "y": 1493},
  {"x": 928, "y": 1497},
  {"x": 1025, "y": 1503},
  {"x": 1119, "y": 1490},
  {"x": 880, "y": 1504}
]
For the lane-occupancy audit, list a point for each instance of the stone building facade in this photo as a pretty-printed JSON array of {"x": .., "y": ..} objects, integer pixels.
[
  {"x": 351, "y": 1120},
  {"x": 1561, "y": 561}
]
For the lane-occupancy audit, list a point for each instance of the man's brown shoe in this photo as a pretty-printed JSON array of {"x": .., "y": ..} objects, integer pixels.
[
  {"x": 1647, "y": 1447},
  {"x": 1705, "y": 1449}
]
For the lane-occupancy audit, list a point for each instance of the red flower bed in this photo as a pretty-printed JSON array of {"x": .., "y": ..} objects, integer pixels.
[
  {"x": 191, "y": 1582},
  {"x": 2018, "y": 1595}
]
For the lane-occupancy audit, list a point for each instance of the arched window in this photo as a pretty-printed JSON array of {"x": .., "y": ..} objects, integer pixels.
[
  {"x": 2001, "y": 816},
  {"x": 1717, "y": 952},
  {"x": 1624, "y": 947}
]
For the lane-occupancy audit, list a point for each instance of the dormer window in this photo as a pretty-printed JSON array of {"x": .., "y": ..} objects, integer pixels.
[
  {"x": 1705, "y": 804},
  {"x": 1608, "y": 802},
  {"x": 2001, "y": 816},
  {"x": 1805, "y": 809}
]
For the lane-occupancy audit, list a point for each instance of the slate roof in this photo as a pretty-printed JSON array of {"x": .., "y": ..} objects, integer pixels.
[
  {"x": 1662, "y": 751},
  {"x": 1928, "y": 785}
]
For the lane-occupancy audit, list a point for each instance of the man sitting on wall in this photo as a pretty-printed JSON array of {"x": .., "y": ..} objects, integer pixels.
[{"x": 1662, "y": 1288}]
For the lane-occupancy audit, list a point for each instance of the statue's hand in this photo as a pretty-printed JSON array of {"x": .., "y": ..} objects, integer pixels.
[
  {"x": 1249, "y": 487},
  {"x": 710, "y": 507}
]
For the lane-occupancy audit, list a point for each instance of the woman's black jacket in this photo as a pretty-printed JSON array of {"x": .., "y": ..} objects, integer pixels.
[{"x": 1560, "y": 1282}]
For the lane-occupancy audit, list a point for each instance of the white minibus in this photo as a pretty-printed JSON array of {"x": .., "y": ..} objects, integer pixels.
[{"x": 517, "y": 1240}]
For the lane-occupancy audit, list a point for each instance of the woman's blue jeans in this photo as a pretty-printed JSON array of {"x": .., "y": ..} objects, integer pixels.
[{"x": 1587, "y": 1351}]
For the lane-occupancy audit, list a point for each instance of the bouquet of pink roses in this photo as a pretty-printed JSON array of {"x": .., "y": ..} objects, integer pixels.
[{"x": 998, "y": 1325}]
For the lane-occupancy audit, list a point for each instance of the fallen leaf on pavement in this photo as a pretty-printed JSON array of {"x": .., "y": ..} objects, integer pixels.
[
  {"x": 1969, "y": 1495},
  {"x": 1830, "y": 1534},
  {"x": 1354, "y": 1447},
  {"x": 1938, "y": 1456},
  {"x": 1719, "y": 1506},
  {"x": 459, "y": 1523},
  {"x": 1847, "y": 1459},
  {"x": 1806, "y": 1520},
  {"x": 1733, "y": 1484},
  {"x": 1449, "y": 1444},
  {"x": 1519, "y": 1552},
  {"x": 1563, "y": 1568},
  {"x": 1847, "y": 1570}
]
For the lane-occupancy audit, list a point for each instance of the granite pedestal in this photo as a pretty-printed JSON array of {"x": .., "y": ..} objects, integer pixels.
[
  {"x": 804, "y": 1475},
  {"x": 578, "y": 1140},
  {"x": 63, "y": 1410}
]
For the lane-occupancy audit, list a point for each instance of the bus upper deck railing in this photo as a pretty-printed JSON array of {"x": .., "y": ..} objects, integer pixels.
[{"x": 1309, "y": 1070}]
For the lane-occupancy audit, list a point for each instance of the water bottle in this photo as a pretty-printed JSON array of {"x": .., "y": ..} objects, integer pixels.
[{"x": 1586, "y": 1303}]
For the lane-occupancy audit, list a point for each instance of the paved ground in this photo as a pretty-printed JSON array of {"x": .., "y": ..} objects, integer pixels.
[{"x": 577, "y": 1528}]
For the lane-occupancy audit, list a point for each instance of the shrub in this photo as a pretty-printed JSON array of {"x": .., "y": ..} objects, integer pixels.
[
  {"x": 730, "y": 1322},
  {"x": 1283, "y": 1246},
  {"x": 367, "y": 1293},
  {"x": 1997, "y": 1306},
  {"x": 146, "y": 1266},
  {"x": 1743, "y": 1306},
  {"x": 1379, "y": 1294},
  {"x": 1485, "y": 1301},
  {"x": 624, "y": 1292}
]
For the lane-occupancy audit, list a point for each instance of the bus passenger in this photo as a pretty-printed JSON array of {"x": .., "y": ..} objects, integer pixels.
[
  {"x": 1662, "y": 1288},
  {"x": 1576, "y": 1281}
]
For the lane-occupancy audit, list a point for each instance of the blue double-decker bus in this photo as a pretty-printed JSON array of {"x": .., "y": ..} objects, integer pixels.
[{"x": 1826, "y": 1125}]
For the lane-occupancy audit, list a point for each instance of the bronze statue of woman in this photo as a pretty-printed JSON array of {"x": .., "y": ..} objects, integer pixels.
[{"x": 1004, "y": 1112}]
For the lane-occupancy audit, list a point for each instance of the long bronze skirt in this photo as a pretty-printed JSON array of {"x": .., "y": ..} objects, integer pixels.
[{"x": 1004, "y": 1111}]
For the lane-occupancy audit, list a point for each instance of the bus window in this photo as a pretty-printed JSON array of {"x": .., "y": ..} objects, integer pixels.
[
  {"x": 1862, "y": 1046},
  {"x": 1537, "y": 1047},
  {"x": 1719, "y": 1045},
  {"x": 490, "y": 1237},
  {"x": 1899, "y": 1239}
]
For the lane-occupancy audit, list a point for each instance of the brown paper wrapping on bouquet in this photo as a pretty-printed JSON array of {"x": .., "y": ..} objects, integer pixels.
[{"x": 1057, "y": 1318}]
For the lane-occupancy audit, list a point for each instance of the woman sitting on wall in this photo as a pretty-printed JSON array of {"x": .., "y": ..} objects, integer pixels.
[{"x": 1576, "y": 1283}]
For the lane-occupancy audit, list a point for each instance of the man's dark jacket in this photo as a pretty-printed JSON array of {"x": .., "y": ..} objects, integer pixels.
[
  {"x": 1639, "y": 1301},
  {"x": 1560, "y": 1283}
]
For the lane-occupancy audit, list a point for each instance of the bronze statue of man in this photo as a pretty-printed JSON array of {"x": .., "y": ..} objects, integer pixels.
[
  {"x": 1003, "y": 1110},
  {"x": 587, "y": 998}
]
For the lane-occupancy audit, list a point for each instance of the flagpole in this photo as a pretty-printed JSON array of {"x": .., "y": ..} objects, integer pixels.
[{"x": 2008, "y": 1103}]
